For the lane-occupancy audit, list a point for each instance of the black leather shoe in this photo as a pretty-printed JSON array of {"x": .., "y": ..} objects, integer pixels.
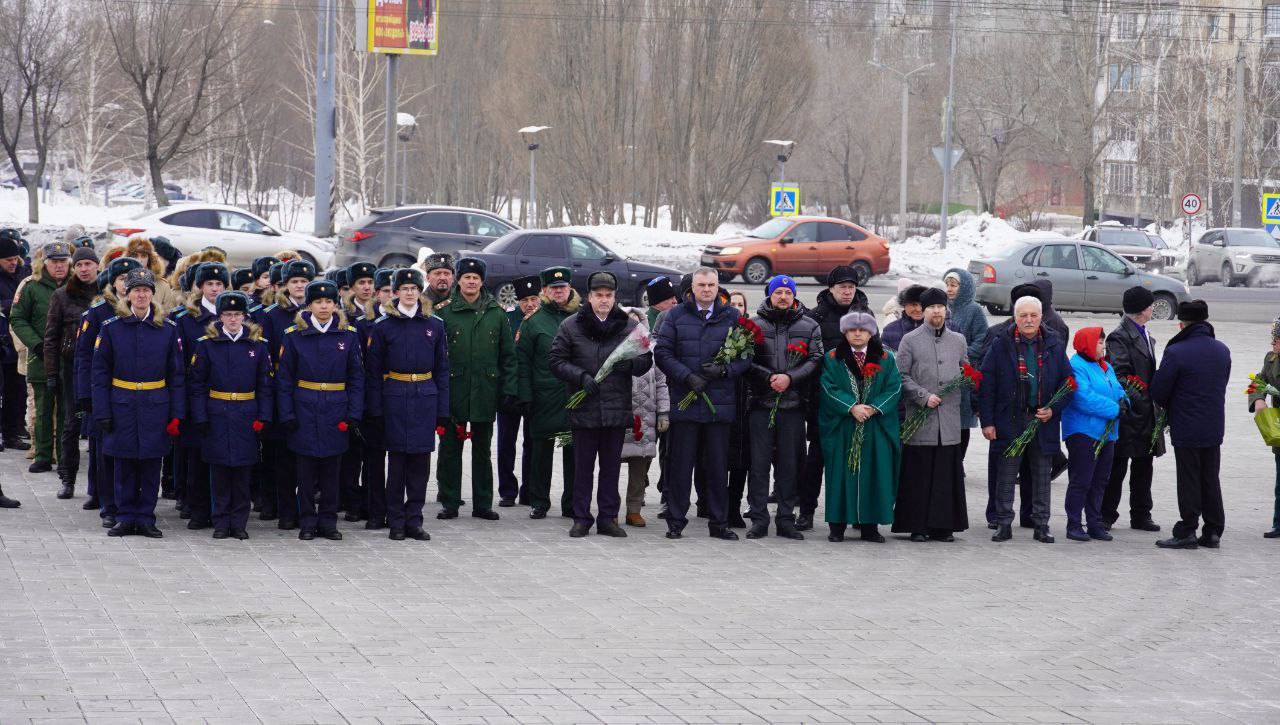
[
  {"x": 17, "y": 444},
  {"x": 835, "y": 538},
  {"x": 184, "y": 513},
  {"x": 1003, "y": 532},
  {"x": 506, "y": 503},
  {"x": 197, "y": 524},
  {"x": 396, "y": 535},
  {"x": 1272, "y": 534},
  {"x": 108, "y": 521},
  {"x": 221, "y": 533},
  {"x": 240, "y": 534},
  {"x": 1209, "y": 541},
  {"x": 447, "y": 514},
  {"x": 790, "y": 533},
  {"x": 40, "y": 467},
  {"x": 944, "y": 538},
  {"x": 919, "y": 538},
  {"x": 67, "y": 491},
  {"x": 306, "y": 534},
  {"x": 736, "y": 521},
  {"x": 486, "y": 514},
  {"x": 609, "y": 528},
  {"x": 8, "y": 503},
  {"x": 375, "y": 524},
  {"x": 674, "y": 535},
  {"x": 538, "y": 514},
  {"x": 579, "y": 530},
  {"x": 286, "y": 524},
  {"x": 992, "y": 525},
  {"x": 351, "y": 516},
  {"x": 1100, "y": 534},
  {"x": 1173, "y": 542},
  {"x": 662, "y": 511},
  {"x": 150, "y": 531},
  {"x": 872, "y": 534},
  {"x": 757, "y": 532},
  {"x": 91, "y": 503},
  {"x": 804, "y": 521},
  {"x": 1042, "y": 535},
  {"x": 724, "y": 534},
  {"x": 332, "y": 535},
  {"x": 1147, "y": 525},
  {"x": 418, "y": 534},
  {"x": 120, "y": 530}
]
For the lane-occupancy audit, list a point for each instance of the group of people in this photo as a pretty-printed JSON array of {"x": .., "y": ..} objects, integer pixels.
[{"x": 300, "y": 396}]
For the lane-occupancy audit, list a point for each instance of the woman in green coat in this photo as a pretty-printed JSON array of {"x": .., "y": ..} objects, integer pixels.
[{"x": 852, "y": 391}]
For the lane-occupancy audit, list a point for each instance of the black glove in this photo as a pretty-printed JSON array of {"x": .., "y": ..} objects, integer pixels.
[
  {"x": 52, "y": 383},
  {"x": 714, "y": 371},
  {"x": 203, "y": 428},
  {"x": 85, "y": 405},
  {"x": 622, "y": 366},
  {"x": 353, "y": 427},
  {"x": 696, "y": 383},
  {"x": 590, "y": 385},
  {"x": 38, "y": 350},
  {"x": 445, "y": 422},
  {"x": 105, "y": 425},
  {"x": 289, "y": 426},
  {"x": 509, "y": 405}
]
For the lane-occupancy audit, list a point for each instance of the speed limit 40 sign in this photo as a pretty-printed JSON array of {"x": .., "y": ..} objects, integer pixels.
[{"x": 1191, "y": 204}]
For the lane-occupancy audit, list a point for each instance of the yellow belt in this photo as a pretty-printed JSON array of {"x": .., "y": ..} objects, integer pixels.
[
  {"x": 321, "y": 386},
  {"x": 130, "y": 385},
  {"x": 219, "y": 395},
  {"x": 408, "y": 377}
]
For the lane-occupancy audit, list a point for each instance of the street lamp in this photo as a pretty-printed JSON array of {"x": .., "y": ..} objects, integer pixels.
[
  {"x": 406, "y": 124},
  {"x": 785, "y": 149},
  {"x": 529, "y": 134},
  {"x": 902, "y": 164}
]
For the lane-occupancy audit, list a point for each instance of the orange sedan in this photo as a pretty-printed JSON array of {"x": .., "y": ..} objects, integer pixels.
[{"x": 804, "y": 246}]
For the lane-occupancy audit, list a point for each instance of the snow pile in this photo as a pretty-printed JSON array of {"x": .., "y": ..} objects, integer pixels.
[
  {"x": 680, "y": 250},
  {"x": 976, "y": 237}
]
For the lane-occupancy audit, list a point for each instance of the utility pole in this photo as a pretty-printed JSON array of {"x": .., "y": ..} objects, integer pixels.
[
  {"x": 1237, "y": 137},
  {"x": 946, "y": 129},
  {"x": 389, "y": 135},
  {"x": 325, "y": 121},
  {"x": 902, "y": 161}
]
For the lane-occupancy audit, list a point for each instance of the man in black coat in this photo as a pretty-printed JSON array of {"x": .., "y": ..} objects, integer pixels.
[
  {"x": 1131, "y": 350},
  {"x": 1191, "y": 385},
  {"x": 839, "y": 298},
  {"x": 13, "y": 269},
  {"x": 584, "y": 342}
]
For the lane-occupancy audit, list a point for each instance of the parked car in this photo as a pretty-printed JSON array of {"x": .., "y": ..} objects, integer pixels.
[
  {"x": 1087, "y": 277},
  {"x": 244, "y": 236},
  {"x": 391, "y": 237},
  {"x": 1234, "y": 256},
  {"x": 798, "y": 246},
  {"x": 529, "y": 251},
  {"x": 1130, "y": 243}
]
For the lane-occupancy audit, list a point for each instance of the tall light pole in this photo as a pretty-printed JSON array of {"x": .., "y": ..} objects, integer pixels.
[
  {"x": 902, "y": 162},
  {"x": 389, "y": 134},
  {"x": 1237, "y": 138},
  {"x": 326, "y": 120},
  {"x": 529, "y": 134},
  {"x": 406, "y": 124},
  {"x": 785, "y": 149},
  {"x": 946, "y": 132}
]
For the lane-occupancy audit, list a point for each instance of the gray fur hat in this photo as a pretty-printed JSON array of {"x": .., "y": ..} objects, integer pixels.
[{"x": 859, "y": 320}]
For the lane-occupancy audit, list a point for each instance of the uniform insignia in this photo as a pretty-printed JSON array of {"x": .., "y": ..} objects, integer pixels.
[
  {"x": 342, "y": 346},
  {"x": 251, "y": 353},
  {"x": 84, "y": 326},
  {"x": 431, "y": 333}
]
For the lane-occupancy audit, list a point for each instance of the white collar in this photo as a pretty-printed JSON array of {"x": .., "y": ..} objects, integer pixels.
[
  {"x": 407, "y": 311},
  {"x": 324, "y": 327},
  {"x": 236, "y": 336},
  {"x": 212, "y": 308}
]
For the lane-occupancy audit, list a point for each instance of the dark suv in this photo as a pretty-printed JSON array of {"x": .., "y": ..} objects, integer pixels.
[{"x": 391, "y": 237}]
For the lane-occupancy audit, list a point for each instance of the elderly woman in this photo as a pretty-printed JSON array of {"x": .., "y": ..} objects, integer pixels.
[
  {"x": 860, "y": 385},
  {"x": 1093, "y": 413},
  {"x": 931, "y": 502},
  {"x": 1258, "y": 402}
]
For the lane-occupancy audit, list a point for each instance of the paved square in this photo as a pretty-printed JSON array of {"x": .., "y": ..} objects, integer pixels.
[{"x": 512, "y": 621}]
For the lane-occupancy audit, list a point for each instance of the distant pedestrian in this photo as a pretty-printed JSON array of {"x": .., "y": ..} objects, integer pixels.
[{"x": 1270, "y": 375}]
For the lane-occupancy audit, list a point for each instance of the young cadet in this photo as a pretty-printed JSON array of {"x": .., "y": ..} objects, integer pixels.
[{"x": 357, "y": 304}]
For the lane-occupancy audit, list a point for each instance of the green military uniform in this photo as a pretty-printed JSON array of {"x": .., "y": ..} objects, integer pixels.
[
  {"x": 544, "y": 394},
  {"x": 482, "y": 371},
  {"x": 28, "y": 319}
]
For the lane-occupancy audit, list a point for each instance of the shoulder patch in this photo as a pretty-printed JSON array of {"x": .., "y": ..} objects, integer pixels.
[
  {"x": 110, "y": 320},
  {"x": 832, "y": 354},
  {"x": 202, "y": 339},
  {"x": 179, "y": 313},
  {"x": 170, "y": 323},
  {"x": 273, "y": 306},
  {"x": 99, "y": 302},
  {"x": 350, "y": 328},
  {"x": 289, "y": 329},
  {"x": 380, "y": 319}
]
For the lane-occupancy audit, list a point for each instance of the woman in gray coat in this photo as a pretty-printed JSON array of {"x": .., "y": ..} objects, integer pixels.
[
  {"x": 650, "y": 404},
  {"x": 931, "y": 502}
]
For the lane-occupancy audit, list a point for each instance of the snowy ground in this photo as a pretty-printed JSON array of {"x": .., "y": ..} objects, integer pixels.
[
  {"x": 657, "y": 246},
  {"x": 973, "y": 236}
]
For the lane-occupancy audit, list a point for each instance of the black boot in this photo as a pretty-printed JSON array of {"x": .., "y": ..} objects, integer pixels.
[
  {"x": 8, "y": 503},
  {"x": 837, "y": 533},
  {"x": 91, "y": 503},
  {"x": 67, "y": 491}
]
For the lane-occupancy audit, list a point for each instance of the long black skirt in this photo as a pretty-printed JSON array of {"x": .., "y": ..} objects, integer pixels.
[{"x": 930, "y": 491}]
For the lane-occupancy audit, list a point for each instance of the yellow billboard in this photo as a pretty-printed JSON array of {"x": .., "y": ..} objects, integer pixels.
[{"x": 404, "y": 27}]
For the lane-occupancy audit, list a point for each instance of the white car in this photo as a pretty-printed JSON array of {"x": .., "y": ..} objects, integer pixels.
[{"x": 244, "y": 236}]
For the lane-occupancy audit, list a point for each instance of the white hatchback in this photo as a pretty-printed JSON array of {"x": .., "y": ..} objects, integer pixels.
[{"x": 244, "y": 236}]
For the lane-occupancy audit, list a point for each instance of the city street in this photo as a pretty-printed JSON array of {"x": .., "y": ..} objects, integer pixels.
[{"x": 513, "y": 621}]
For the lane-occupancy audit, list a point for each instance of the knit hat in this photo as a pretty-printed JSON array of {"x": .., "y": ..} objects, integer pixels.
[
  {"x": 1137, "y": 299},
  {"x": 951, "y": 275},
  {"x": 321, "y": 289},
  {"x": 660, "y": 289},
  {"x": 139, "y": 278},
  {"x": 9, "y": 244},
  {"x": 859, "y": 320},
  {"x": 407, "y": 275},
  {"x": 83, "y": 253},
  {"x": 843, "y": 273},
  {"x": 1275, "y": 328},
  {"x": 1193, "y": 311},
  {"x": 933, "y": 296},
  {"x": 778, "y": 281}
]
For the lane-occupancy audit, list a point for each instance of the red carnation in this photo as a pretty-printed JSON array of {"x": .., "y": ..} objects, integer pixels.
[
  {"x": 869, "y": 371},
  {"x": 257, "y": 426}
]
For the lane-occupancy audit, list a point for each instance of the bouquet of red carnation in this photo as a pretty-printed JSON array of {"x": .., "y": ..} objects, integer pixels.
[
  {"x": 1133, "y": 385},
  {"x": 859, "y": 429},
  {"x": 797, "y": 352},
  {"x": 969, "y": 377},
  {"x": 1019, "y": 444},
  {"x": 739, "y": 344}
]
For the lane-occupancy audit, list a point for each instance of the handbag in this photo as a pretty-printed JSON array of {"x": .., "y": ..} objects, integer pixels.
[{"x": 1268, "y": 422}]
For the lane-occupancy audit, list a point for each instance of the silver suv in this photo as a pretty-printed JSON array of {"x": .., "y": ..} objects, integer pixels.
[
  {"x": 1130, "y": 243},
  {"x": 1234, "y": 256}
]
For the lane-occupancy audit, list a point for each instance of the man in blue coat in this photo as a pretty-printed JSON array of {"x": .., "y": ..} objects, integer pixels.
[
  {"x": 138, "y": 398},
  {"x": 1191, "y": 385},
  {"x": 1021, "y": 371},
  {"x": 688, "y": 340},
  {"x": 230, "y": 399},
  {"x": 407, "y": 373}
]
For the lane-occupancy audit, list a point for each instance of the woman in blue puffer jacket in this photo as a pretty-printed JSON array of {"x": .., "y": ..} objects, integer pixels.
[
  {"x": 969, "y": 320},
  {"x": 1092, "y": 414}
]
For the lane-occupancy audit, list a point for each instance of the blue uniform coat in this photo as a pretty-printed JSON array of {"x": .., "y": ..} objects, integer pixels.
[
  {"x": 230, "y": 366},
  {"x": 191, "y": 321},
  {"x": 306, "y": 354},
  {"x": 90, "y": 325},
  {"x": 140, "y": 351},
  {"x": 409, "y": 409}
]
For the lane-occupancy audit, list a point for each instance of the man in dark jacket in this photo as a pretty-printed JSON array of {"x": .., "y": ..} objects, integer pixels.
[
  {"x": 509, "y": 487},
  {"x": 1021, "y": 372},
  {"x": 778, "y": 394},
  {"x": 689, "y": 339},
  {"x": 839, "y": 298},
  {"x": 584, "y": 342},
  {"x": 440, "y": 278},
  {"x": 65, "y": 308},
  {"x": 1191, "y": 385},
  {"x": 13, "y": 270},
  {"x": 28, "y": 320},
  {"x": 1052, "y": 319},
  {"x": 1131, "y": 350}
]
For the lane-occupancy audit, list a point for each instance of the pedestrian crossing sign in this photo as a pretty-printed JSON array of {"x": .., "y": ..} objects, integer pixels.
[
  {"x": 1271, "y": 208},
  {"x": 784, "y": 200}
]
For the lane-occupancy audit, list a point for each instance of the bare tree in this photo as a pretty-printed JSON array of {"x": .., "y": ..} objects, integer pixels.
[{"x": 95, "y": 111}]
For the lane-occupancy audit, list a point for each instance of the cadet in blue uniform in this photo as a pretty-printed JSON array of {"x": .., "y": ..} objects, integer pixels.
[
  {"x": 382, "y": 287},
  {"x": 357, "y": 303},
  {"x": 103, "y": 309},
  {"x": 209, "y": 279},
  {"x": 242, "y": 280},
  {"x": 320, "y": 392},
  {"x": 137, "y": 386},
  {"x": 230, "y": 400},
  {"x": 261, "y": 272},
  {"x": 407, "y": 369}
]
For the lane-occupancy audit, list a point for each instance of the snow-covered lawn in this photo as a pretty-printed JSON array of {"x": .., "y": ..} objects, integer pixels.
[
  {"x": 975, "y": 236},
  {"x": 656, "y": 246}
]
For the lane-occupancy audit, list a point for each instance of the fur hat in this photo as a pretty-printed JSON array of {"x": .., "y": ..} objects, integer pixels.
[
  {"x": 298, "y": 268},
  {"x": 911, "y": 295},
  {"x": 211, "y": 272},
  {"x": 262, "y": 265},
  {"x": 233, "y": 301},
  {"x": 859, "y": 320},
  {"x": 1193, "y": 311},
  {"x": 139, "y": 278},
  {"x": 322, "y": 289},
  {"x": 241, "y": 277},
  {"x": 407, "y": 275},
  {"x": 471, "y": 265}
]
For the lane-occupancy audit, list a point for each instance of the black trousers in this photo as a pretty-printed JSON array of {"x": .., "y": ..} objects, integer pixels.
[
  {"x": 318, "y": 474},
  {"x": 539, "y": 486},
  {"x": 13, "y": 418},
  {"x": 782, "y": 449},
  {"x": 1140, "y": 473},
  {"x": 1199, "y": 491},
  {"x": 373, "y": 475},
  {"x": 196, "y": 492},
  {"x": 704, "y": 446},
  {"x": 809, "y": 485},
  {"x": 69, "y": 434},
  {"x": 352, "y": 498},
  {"x": 106, "y": 475},
  {"x": 286, "y": 477},
  {"x": 589, "y": 446},
  {"x": 229, "y": 486},
  {"x": 406, "y": 488},
  {"x": 508, "y": 431},
  {"x": 264, "y": 477}
]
